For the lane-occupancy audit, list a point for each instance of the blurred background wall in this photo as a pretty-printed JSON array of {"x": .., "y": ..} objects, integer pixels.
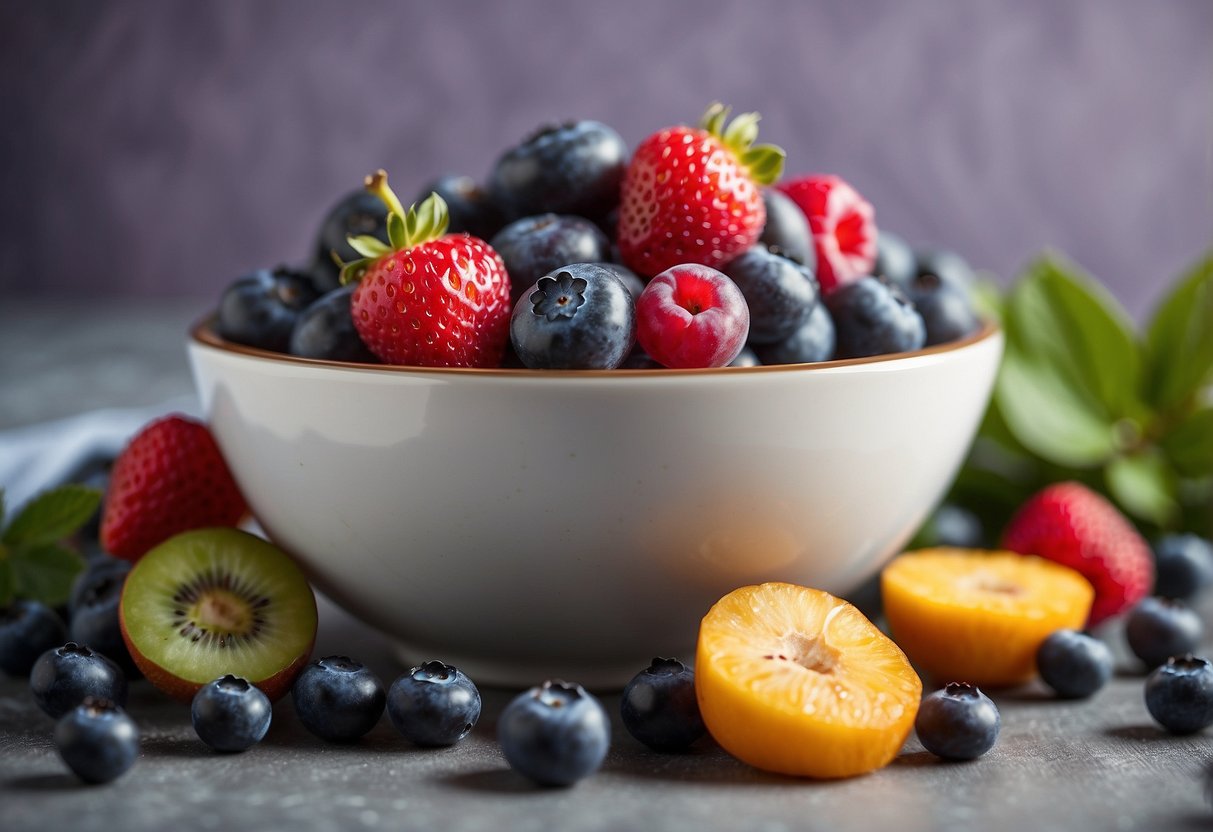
[{"x": 162, "y": 147}]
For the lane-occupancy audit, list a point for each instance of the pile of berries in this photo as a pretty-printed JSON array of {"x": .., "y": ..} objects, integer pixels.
[{"x": 578, "y": 255}]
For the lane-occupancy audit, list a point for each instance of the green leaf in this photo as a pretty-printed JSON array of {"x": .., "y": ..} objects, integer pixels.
[
  {"x": 714, "y": 118},
  {"x": 988, "y": 300},
  {"x": 353, "y": 271},
  {"x": 1048, "y": 416},
  {"x": 1189, "y": 446},
  {"x": 1179, "y": 340},
  {"x": 396, "y": 233},
  {"x": 765, "y": 163},
  {"x": 6, "y": 582},
  {"x": 368, "y": 246},
  {"x": 1145, "y": 486},
  {"x": 1059, "y": 316},
  {"x": 53, "y": 515},
  {"x": 45, "y": 573}
]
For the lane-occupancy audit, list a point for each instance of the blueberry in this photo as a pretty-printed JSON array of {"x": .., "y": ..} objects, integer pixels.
[
  {"x": 359, "y": 212},
  {"x": 260, "y": 309},
  {"x": 946, "y": 311},
  {"x": 780, "y": 293},
  {"x": 659, "y": 707},
  {"x": 579, "y": 317},
  {"x": 326, "y": 330},
  {"x": 63, "y": 677},
  {"x": 814, "y": 341},
  {"x": 1159, "y": 628},
  {"x": 746, "y": 358},
  {"x": 230, "y": 714},
  {"x": 787, "y": 229},
  {"x": 872, "y": 317},
  {"x": 571, "y": 168},
  {"x": 27, "y": 630},
  {"x": 958, "y": 723},
  {"x": 894, "y": 258},
  {"x": 434, "y": 705},
  {"x": 470, "y": 207},
  {"x": 630, "y": 279},
  {"x": 1184, "y": 565},
  {"x": 1074, "y": 664},
  {"x": 554, "y": 734},
  {"x": 1179, "y": 694},
  {"x": 94, "y": 603},
  {"x": 533, "y": 246},
  {"x": 338, "y": 699},
  {"x": 945, "y": 264},
  {"x": 97, "y": 740},
  {"x": 954, "y": 525}
]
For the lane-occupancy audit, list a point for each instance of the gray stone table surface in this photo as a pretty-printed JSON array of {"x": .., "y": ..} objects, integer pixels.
[{"x": 1099, "y": 765}]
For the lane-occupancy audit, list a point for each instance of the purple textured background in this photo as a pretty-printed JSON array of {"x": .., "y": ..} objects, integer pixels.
[{"x": 163, "y": 147}]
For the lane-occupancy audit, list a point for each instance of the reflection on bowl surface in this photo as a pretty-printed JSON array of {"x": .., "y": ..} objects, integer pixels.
[{"x": 526, "y": 524}]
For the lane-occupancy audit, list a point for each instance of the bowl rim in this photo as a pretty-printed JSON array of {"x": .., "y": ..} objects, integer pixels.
[{"x": 203, "y": 333}]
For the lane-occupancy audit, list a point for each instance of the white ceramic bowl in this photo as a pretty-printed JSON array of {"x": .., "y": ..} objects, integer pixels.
[{"x": 525, "y": 524}]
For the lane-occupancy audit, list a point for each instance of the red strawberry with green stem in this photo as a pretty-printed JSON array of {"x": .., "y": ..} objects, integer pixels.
[
  {"x": 427, "y": 298},
  {"x": 169, "y": 479},
  {"x": 691, "y": 195}
]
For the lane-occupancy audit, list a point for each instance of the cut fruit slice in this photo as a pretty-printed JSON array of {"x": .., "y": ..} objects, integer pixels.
[
  {"x": 216, "y": 601},
  {"x": 796, "y": 681},
  {"x": 976, "y": 616}
]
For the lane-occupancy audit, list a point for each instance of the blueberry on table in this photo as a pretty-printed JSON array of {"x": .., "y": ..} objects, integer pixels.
[
  {"x": 1159, "y": 628},
  {"x": 338, "y": 699},
  {"x": 470, "y": 207},
  {"x": 781, "y": 293},
  {"x": 1183, "y": 565},
  {"x": 787, "y": 228},
  {"x": 554, "y": 734},
  {"x": 894, "y": 258},
  {"x": 326, "y": 330},
  {"x": 96, "y": 595},
  {"x": 571, "y": 168},
  {"x": 64, "y": 677},
  {"x": 813, "y": 341},
  {"x": 97, "y": 740},
  {"x": 434, "y": 705},
  {"x": 872, "y": 317},
  {"x": 946, "y": 310},
  {"x": 357, "y": 214},
  {"x": 230, "y": 714},
  {"x": 1179, "y": 694},
  {"x": 579, "y": 317},
  {"x": 534, "y": 246},
  {"x": 958, "y": 722},
  {"x": 260, "y": 309},
  {"x": 659, "y": 707},
  {"x": 1074, "y": 664},
  {"x": 27, "y": 630}
]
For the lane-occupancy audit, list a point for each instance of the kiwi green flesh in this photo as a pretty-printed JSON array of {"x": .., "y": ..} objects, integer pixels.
[{"x": 215, "y": 601}]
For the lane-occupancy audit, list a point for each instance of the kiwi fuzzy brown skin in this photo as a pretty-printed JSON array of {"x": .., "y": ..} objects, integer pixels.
[
  {"x": 226, "y": 561},
  {"x": 183, "y": 690}
]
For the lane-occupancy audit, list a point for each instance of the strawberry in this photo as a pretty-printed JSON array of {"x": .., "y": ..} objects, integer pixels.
[
  {"x": 1072, "y": 525},
  {"x": 171, "y": 478},
  {"x": 843, "y": 225},
  {"x": 427, "y": 298},
  {"x": 690, "y": 195}
]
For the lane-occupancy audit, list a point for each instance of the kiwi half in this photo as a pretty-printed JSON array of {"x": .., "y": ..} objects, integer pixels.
[{"x": 214, "y": 601}]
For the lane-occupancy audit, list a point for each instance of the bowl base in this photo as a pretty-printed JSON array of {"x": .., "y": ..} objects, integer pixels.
[{"x": 519, "y": 675}]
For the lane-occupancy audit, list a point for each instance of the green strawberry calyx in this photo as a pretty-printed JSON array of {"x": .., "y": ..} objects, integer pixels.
[
  {"x": 427, "y": 220},
  {"x": 764, "y": 162}
]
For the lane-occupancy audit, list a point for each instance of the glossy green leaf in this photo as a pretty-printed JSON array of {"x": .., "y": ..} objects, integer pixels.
[
  {"x": 44, "y": 573},
  {"x": 1058, "y": 316},
  {"x": 395, "y": 232},
  {"x": 1189, "y": 446},
  {"x": 1179, "y": 340},
  {"x": 1048, "y": 415},
  {"x": 368, "y": 246},
  {"x": 53, "y": 515},
  {"x": 1145, "y": 486}
]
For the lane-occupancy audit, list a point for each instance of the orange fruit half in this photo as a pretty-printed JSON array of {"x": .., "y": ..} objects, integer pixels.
[
  {"x": 978, "y": 616},
  {"x": 796, "y": 681}
]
